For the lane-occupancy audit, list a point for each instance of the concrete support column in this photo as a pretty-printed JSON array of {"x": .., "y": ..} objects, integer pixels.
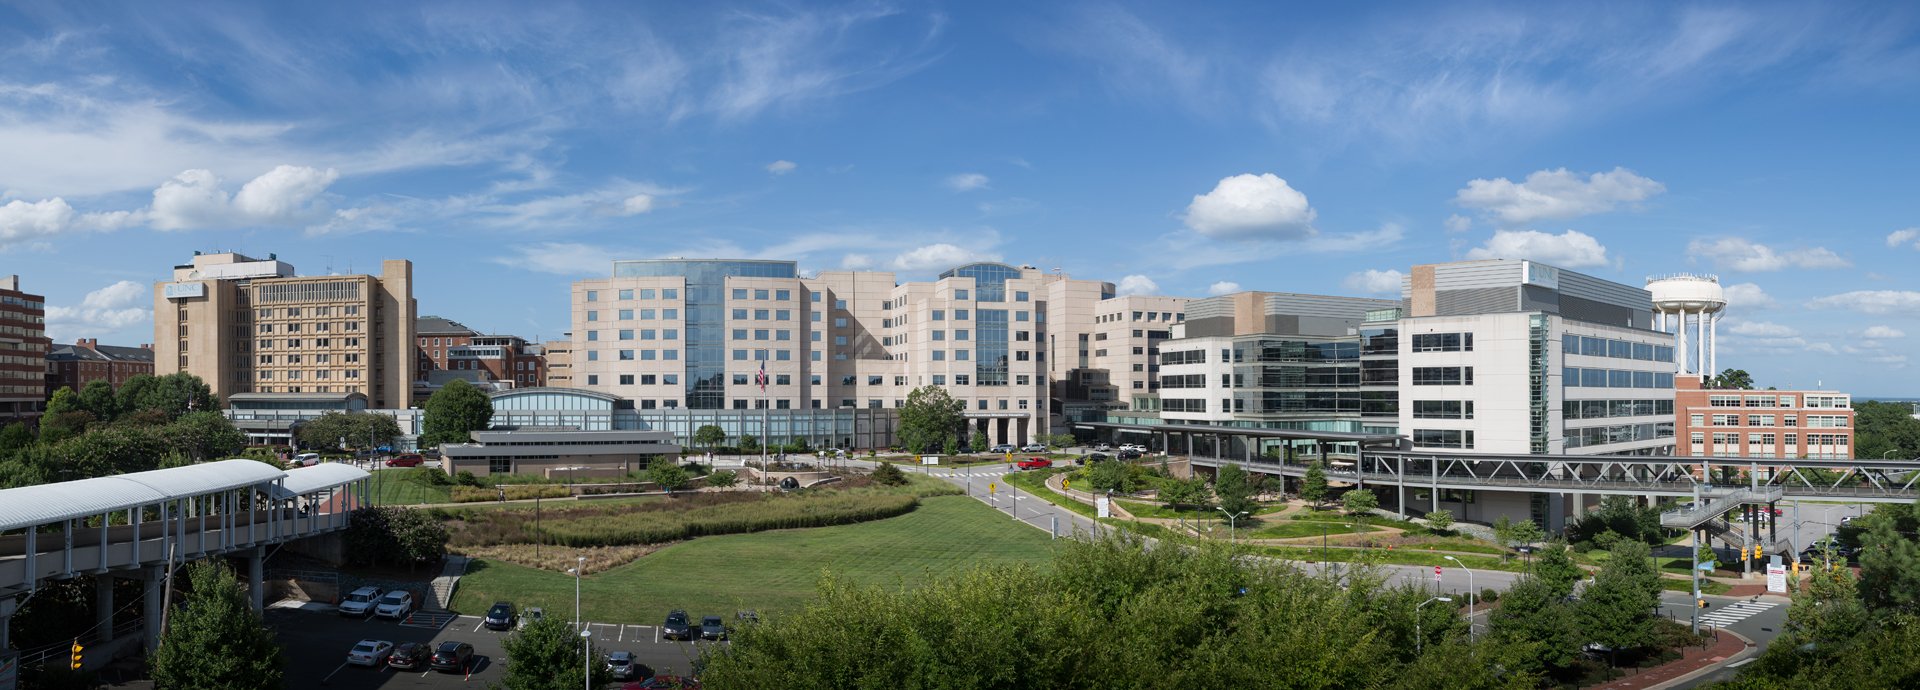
[
  {"x": 7, "y": 607},
  {"x": 1680, "y": 352},
  {"x": 1713, "y": 351},
  {"x": 256, "y": 580},
  {"x": 152, "y": 580},
  {"x": 1700, "y": 343},
  {"x": 1579, "y": 505},
  {"x": 102, "y": 609}
]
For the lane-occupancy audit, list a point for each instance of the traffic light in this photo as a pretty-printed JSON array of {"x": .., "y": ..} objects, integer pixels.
[
  {"x": 1757, "y": 548},
  {"x": 76, "y": 654}
]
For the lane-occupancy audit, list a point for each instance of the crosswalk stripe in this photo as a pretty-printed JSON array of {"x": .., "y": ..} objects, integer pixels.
[{"x": 1734, "y": 613}]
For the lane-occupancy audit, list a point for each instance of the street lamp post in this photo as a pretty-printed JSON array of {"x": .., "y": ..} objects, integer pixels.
[
  {"x": 1419, "y": 639},
  {"x": 1232, "y": 519},
  {"x": 586, "y": 655},
  {"x": 1470, "y": 594},
  {"x": 579, "y": 569}
]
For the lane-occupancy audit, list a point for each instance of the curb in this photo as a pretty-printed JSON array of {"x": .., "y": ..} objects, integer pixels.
[{"x": 1751, "y": 650}]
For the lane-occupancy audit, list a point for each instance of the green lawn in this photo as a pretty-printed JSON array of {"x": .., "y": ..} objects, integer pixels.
[
  {"x": 1034, "y": 482},
  {"x": 397, "y": 487},
  {"x": 769, "y": 571},
  {"x": 1341, "y": 516},
  {"x": 1160, "y": 510}
]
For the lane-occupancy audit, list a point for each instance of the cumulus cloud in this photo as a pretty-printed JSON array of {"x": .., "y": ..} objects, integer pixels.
[
  {"x": 1137, "y": 284},
  {"x": 781, "y": 167},
  {"x": 1882, "y": 333},
  {"x": 196, "y": 199},
  {"x": 111, "y": 308},
  {"x": 1459, "y": 223},
  {"x": 23, "y": 222},
  {"x": 636, "y": 204},
  {"x": 966, "y": 182},
  {"x": 1871, "y": 301},
  {"x": 1745, "y": 255},
  {"x": 1762, "y": 329},
  {"x": 1224, "y": 287},
  {"x": 1251, "y": 206},
  {"x": 1748, "y": 296},
  {"x": 1556, "y": 194},
  {"x": 1907, "y": 236},
  {"x": 938, "y": 256},
  {"x": 1570, "y": 249},
  {"x": 1375, "y": 282},
  {"x": 856, "y": 262}
]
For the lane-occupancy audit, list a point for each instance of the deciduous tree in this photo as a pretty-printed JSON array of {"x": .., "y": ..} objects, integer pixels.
[
  {"x": 97, "y": 398},
  {"x": 1534, "y": 618},
  {"x": 1359, "y": 501},
  {"x": 547, "y": 655},
  {"x": 361, "y": 430},
  {"x": 1234, "y": 491},
  {"x": 708, "y": 436},
  {"x": 453, "y": 412},
  {"x": 1440, "y": 521},
  {"x": 668, "y": 474},
  {"x": 1556, "y": 569},
  {"x": 1313, "y": 488},
  {"x": 216, "y": 640},
  {"x": 929, "y": 417}
]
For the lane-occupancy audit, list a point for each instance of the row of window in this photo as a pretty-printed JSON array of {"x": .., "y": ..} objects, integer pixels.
[
  {"x": 12, "y": 301},
  {"x": 295, "y": 312},
  {"x": 267, "y": 343},
  {"x": 1619, "y": 433},
  {"x": 1443, "y": 438},
  {"x": 674, "y": 314},
  {"x": 667, "y": 355},
  {"x": 322, "y": 358},
  {"x": 1602, "y": 409},
  {"x": 1760, "y": 420},
  {"x": 1141, "y": 316},
  {"x": 318, "y": 327},
  {"x": 1443, "y": 376},
  {"x": 1575, "y": 377},
  {"x": 1183, "y": 357},
  {"x": 1442, "y": 409},
  {"x": 1618, "y": 349},
  {"x": 1722, "y": 438},
  {"x": 643, "y": 293},
  {"x": 650, "y": 334},
  {"x": 1443, "y": 342},
  {"x": 318, "y": 374}
]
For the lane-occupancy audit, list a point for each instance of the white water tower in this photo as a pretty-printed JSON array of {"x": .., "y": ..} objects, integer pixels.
[{"x": 1678, "y": 297}]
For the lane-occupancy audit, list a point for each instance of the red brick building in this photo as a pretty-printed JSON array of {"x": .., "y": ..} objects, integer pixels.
[
  {"x": 23, "y": 351},
  {"x": 1724, "y": 422},
  {"x": 448, "y": 350},
  {"x": 74, "y": 366}
]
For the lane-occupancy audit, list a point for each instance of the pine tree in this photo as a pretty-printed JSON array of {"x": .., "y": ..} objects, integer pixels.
[
  {"x": 216, "y": 641},
  {"x": 1557, "y": 570}
]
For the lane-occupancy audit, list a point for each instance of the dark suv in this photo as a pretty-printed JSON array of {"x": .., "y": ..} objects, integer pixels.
[
  {"x": 410, "y": 655},
  {"x": 678, "y": 626},
  {"x": 452, "y": 656},
  {"x": 500, "y": 617}
]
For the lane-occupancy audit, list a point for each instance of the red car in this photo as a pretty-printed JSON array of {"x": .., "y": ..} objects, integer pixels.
[
  {"x": 1035, "y": 463},
  {"x": 407, "y": 460}
]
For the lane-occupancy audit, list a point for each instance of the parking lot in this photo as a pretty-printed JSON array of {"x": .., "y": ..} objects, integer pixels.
[{"x": 316, "y": 641}]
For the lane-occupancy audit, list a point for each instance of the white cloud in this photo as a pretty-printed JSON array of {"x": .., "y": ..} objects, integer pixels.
[
  {"x": 781, "y": 167},
  {"x": 1748, "y": 296},
  {"x": 1898, "y": 361},
  {"x": 1224, "y": 287},
  {"x": 195, "y": 199},
  {"x": 1251, "y": 206},
  {"x": 1882, "y": 333},
  {"x": 936, "y": 257},
  {"x": 966, "y": 182},
  {"x": 1375, "y": 282},
  {"x": 637, "y": 204},
  {"x": 23, "y": 222},
  {"x": 563, "y": 258},
  {"x": 856, "y": 262},
  {"x": 1762, "y": 329},
  {"x": 1137, "y": 284},
  {"x": 1741, "y": 254},
  {"x": 1459, "y": 223},
  {"x": 1824, "y": 348},
  {"x": 1872, "y": 301},
  {"x": 1907, "y": 236},
  {"x": 1556, "y": 194},
  {"x": 1570, "y": 249},
  {"x": 111, "y": 308}
]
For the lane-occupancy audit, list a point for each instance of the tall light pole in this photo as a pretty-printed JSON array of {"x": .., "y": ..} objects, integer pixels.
[
  {"x": 1883, "y": 456},
  {"x": 1232, "y": 519},
  {"x": 576, "y": 571},
  {"x": 586, "y": 655},
  {"x": 1470, "y": 594},
  {"x": 1419, "y": 640}
]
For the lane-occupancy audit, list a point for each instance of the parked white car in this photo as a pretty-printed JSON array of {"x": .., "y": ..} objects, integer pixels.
[
  {"x": 359, "y": 602},
  {"x": 396, "y": 604},
  {"x": 370, "y": 653},
  {"x": 1034, "y": 448},
  {"x": 305, "y": 460}
]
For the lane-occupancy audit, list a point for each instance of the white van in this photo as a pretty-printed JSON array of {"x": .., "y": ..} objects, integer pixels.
[{"x": 305, "y": 460}]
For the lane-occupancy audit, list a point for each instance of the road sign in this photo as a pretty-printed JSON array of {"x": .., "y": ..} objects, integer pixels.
[
  {"x": 990, "y": 486},
  {"x": 1102, "y": 506},
  {"x": 1066, "y": 484},
  {"x": 1776, "y": 578},
  {"x": 1436, "y": 573}
]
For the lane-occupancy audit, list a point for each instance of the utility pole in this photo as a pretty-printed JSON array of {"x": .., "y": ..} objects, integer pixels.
[{"x": 1696, "y": 563}]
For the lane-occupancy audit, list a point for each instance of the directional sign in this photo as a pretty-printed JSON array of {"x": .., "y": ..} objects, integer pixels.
[
  {"x": 1102, "y": 507},
  {"x": 1776, "y": 578}
]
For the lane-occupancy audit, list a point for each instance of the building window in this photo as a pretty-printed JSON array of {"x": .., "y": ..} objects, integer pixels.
[
  {"x": 593, "y": 295},
  {"x": 1443, "y": 342},
  {"x": 1442, "y": 438},
  {"x": 1443, "y": 376}
]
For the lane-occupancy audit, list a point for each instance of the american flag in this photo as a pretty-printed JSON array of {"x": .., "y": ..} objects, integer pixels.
[{"x": 761, "y": 378}]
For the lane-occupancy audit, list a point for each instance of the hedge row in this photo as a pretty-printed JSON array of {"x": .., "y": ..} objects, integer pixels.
[
  {"x": 653, "y": 526},
  {"x": 470, "y": 494}
]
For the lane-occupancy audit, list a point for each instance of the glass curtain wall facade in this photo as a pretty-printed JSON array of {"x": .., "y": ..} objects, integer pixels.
[
  {"x": 705, "y": 316},
  {"x": 990, "y": 339},
  {"x": 1319, "y": 378},
  {"x": 591, "y": 411}
]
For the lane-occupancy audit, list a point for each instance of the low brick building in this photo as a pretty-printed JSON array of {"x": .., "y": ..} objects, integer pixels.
[{"x": 86, "y": 360}]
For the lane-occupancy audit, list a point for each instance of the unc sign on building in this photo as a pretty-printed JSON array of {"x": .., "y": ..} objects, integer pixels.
[{"x": 179, "y": 290}]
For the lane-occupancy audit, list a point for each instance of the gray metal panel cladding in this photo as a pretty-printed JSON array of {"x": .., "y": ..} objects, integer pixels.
[
  {"x": 1473, "y": 275},
  {"x": 1579, "y": 309},
  {"x": 1210, "y": 308},
  {"x": 1536, "y": 298},
  {"x": 1216, "y": 326},
  {"x": 1493, "y": 300},
  {"x": 1281, "y": 323},
  {"x": 1320, "y": 305},
  {"x": 1606, "y": 291},
  {"x": 1326, "y": 327}
]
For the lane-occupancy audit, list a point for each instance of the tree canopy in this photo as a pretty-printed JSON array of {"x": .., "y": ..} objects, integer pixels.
[
  {"x": 546, "y": 655},
  {"x": 389, "y": 535},
  {"x": 216, "y": 640},
  {"x": 360, "y": 430},
  {"x": 453, "y": 412},
  {"x": 928, "y": 419},
  {"x": 1733, "y": 378},
  {"x": 709, "y": 435}
]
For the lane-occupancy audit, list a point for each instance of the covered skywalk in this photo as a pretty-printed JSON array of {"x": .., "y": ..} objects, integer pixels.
[{"x": 141, "y": 524}]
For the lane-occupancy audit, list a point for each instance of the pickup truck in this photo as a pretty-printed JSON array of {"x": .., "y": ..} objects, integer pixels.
[{"x": 1035, "y": 463}]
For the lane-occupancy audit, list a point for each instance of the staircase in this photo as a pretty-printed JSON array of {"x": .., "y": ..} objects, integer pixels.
[
  {"x": 1717, "y": 504},
  {"x": 440, "y": 590}
]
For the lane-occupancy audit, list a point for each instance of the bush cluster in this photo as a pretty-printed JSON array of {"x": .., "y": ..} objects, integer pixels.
[{"x": 472, "y": 494}]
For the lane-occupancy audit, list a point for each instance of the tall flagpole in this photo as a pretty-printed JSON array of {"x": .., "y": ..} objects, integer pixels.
[{"x": 766, "y": 478}]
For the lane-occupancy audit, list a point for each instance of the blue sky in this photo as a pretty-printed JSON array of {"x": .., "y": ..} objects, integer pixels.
[{"x": 1172, "y": 148}]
